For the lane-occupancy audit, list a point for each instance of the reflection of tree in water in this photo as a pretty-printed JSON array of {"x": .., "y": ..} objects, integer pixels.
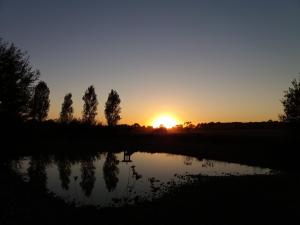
[
  {"x": 64, "y": 169},
  {"x": 87, "y": 176},
  {"x": 110, "y": 172},
  {"x": 37, "y": 172},
  {"x": 187, "y": 160}
]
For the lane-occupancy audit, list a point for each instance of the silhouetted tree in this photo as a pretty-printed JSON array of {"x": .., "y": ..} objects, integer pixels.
[
  {"x": 87, "y": 176},
  {"x": 66, "y": 114},
  {"x": 16, "y": 82},
  {"x": 40, "y": 102},
  {"x": 291, "y": 103},
  {"x": 110, "y": 172},
  {"x": 90, "y": 106},
  {"x": 112, "y": 108},
  {"x": 189, "y": 125}
]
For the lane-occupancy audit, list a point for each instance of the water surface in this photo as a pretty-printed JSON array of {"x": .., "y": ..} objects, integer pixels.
[{"x": 111, "y": 179}]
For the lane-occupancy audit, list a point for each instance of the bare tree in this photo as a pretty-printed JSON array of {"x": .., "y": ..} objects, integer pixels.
[
  {"x": 66, "y": 114},
  {"x": 90, "y": 106},
  {"x": 112, "y": 108},
  {"x": 40, "y": 102}
]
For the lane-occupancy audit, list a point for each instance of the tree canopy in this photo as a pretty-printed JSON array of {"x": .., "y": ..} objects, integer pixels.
[
  {"x": 90, "y": 106},
  {"x": 291, "y": 103},
  {"x": 66, "y": 114},
  {"x": 16, "y": 82},
  {"x": 40, "y": 102},
  {"x": 112, "y": 108}
]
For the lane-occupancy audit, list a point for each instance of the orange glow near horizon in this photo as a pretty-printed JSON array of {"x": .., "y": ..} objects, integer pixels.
[{"x": 166, "y": 121}]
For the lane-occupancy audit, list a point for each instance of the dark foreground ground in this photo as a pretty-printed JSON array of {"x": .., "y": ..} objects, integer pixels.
[
  {"x": 218, "y": 200},
  {"x": 206, "y": 200}
]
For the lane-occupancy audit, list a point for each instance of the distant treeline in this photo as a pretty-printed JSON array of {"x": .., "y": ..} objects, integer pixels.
[
  {"x": 188, "y": 126},
  {"x": 78, "y": 126}
]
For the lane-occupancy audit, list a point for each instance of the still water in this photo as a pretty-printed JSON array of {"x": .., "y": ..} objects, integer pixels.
[{"x": 112, "y": 179}]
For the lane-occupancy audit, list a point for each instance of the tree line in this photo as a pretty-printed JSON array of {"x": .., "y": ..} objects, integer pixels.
[
  {"x": 89, "y": 113},
  {"x": 21, "y": 99}
]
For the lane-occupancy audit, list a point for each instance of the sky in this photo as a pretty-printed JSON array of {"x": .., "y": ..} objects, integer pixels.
[{"x": 196, "y": 60}]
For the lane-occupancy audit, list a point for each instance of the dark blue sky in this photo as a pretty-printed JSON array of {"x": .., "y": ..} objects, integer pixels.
[{"x": 196, "y": 60}]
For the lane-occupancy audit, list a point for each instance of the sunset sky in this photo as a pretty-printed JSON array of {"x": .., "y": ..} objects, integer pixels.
[{"x": 198, "y": 61}]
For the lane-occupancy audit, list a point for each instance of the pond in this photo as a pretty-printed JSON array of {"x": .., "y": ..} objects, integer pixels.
[{"x": 112, "y": 179}]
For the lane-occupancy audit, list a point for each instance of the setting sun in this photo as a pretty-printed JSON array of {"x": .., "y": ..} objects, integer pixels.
[{"x": 165, "y": 121}]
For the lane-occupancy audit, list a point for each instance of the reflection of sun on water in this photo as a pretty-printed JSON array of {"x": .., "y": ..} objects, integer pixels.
[{"x": 165, "y": 121}]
